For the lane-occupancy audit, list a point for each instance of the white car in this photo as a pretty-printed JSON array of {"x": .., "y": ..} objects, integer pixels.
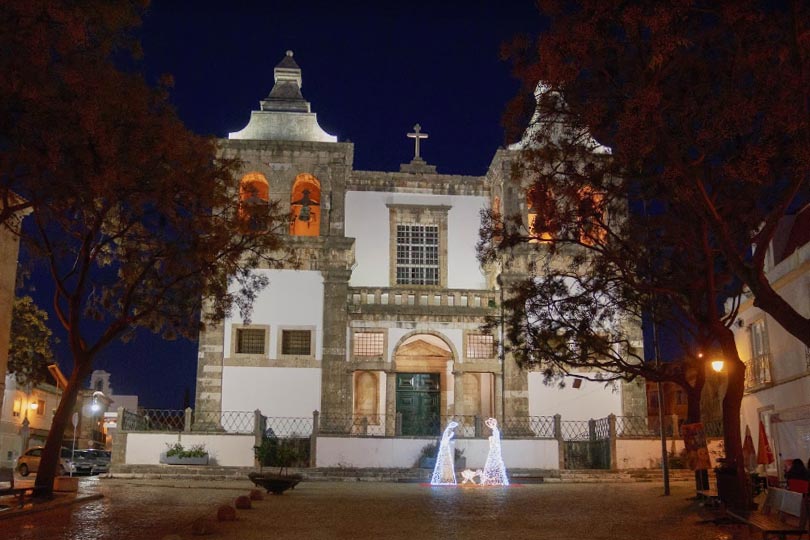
[{"x": 29, "y": 462}]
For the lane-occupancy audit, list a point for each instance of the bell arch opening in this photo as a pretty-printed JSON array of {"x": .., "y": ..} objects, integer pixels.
[{"x": 305, "y": 206}]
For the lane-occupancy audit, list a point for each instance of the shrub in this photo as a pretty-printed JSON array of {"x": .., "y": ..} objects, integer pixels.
[{"x": 177, "y": 450}]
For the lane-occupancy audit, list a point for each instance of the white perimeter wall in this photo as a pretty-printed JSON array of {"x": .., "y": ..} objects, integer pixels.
[
  {"x": 292, "y": 298},
  {"x": 403, "y": 453},
  {"x": 591, "y": 400},
  {"x": 367, "y": 221},
  {"x": 274, "y": 391},
  {"x": 224, "y": 450},
  {"x": 646, "y": 453}
]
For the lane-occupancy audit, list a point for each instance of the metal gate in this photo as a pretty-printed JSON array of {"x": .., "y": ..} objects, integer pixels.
[{"x": 586, "y": 444}]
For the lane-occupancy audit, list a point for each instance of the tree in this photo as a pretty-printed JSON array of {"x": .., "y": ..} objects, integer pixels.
[
  {"x": 600, "y": 262},
  {"x": 30, "y": 345},
  {"x": 709, "y": 100},
  {"x": 135, "y": 218}
]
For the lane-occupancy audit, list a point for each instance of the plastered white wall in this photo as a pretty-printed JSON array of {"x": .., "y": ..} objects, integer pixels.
[
  {"x": 367, "y": 221},
  {"x": 292, "y": 392},
  {"x": 403, "y": 453},
  {"x": 591, "y": 400},
  {"x": 224, "y": 450},
  {"x": 292, "y": 298},
  {"x": 646, "y": 453}
]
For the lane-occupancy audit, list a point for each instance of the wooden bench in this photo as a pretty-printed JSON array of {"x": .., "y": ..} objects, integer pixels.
[
  {"x": 7, "y": 477},
  {"x": 783, "y": 514}
]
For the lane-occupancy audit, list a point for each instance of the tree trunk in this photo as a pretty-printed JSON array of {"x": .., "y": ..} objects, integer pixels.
[
  {"x": 49, "y": 463},
  {"x": 742, "y": 497},
  {"x": 777, "y": 307}
]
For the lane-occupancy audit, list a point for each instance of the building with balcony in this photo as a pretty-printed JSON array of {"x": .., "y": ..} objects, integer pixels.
[
  {"x": 379, "y": 327},
  {"x": 777, "y": 375}
]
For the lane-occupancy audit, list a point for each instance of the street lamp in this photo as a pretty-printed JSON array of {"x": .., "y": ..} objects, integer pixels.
[{"x": 717, "y": 365}]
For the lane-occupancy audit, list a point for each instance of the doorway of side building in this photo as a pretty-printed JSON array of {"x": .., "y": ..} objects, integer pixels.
[{"x": 423, "y": 365}]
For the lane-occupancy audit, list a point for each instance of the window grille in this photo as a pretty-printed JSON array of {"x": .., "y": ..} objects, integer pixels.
[
  {"x": 296, "y": 342},
  {"x": 250, "y": 340},
  {"x": 368, "y": 343},
  {"x": 480, "y": 346},
  {"x": 417, "y": 254}
]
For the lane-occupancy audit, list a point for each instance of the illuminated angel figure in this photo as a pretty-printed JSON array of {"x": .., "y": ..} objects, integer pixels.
[
  {"x": 444, "y": 473},
  {"x": 494, "y": 470}
]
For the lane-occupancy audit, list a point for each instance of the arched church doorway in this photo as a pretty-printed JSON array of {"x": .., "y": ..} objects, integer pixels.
[{"x": 423, "y": 365}]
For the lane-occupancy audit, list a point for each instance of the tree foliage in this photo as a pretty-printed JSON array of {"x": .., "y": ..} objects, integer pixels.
[
  {"x": 708, "y": 100},
  {"x": 30, "y": 347},
  {"x": 134, "y": 217}
]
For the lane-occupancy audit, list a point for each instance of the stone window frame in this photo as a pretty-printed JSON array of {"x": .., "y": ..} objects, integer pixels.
[
  {"x": 466, "y": 344},
  {"x": 280, "y": 338},
  {"x": 362, "y": 358},
  {"x": 234, "y": 340},
  {"x": 417, "y": 214}
]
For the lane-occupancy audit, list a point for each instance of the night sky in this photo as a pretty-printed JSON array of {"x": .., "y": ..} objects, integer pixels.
[{"x": 371, "y": 70}]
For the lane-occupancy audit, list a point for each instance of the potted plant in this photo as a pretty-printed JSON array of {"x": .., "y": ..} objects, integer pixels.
[
  {"x": 427, "y": 457},
  {"x": 280, "y": 453},
  {"x": 176, "y": 454}
]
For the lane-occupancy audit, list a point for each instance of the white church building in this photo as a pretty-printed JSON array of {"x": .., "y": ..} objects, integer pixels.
[{"x": 379, "y": 328}]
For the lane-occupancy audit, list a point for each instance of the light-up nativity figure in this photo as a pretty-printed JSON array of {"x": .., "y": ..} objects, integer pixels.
[
  {"x": 444, "y": 473},
  {"x": 494, "y": 473}
]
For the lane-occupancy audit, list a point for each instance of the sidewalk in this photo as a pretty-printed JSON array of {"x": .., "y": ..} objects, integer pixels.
[{"x": 170, "y": 508}]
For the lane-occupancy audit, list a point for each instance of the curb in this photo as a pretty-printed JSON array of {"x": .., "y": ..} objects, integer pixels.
[{"x": 43, "y": 507}]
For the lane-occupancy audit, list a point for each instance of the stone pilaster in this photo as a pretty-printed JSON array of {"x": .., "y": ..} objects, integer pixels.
[
  {"x": 336, "y": 394},
  {"x": 209, "y": 368}
]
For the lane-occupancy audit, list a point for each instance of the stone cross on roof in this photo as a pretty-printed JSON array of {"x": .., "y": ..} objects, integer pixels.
[{"x": 416, "y": 135}]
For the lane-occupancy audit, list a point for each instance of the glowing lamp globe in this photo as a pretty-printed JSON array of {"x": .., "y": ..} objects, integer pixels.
[{"x": 717, "y": 365}]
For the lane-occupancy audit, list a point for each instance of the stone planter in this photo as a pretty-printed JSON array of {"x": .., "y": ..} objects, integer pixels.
[
  {"x": 175, "y": 460},
  {"x": 66, "y": 484}
]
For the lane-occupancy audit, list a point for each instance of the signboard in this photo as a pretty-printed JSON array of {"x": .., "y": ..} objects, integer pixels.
[{"x": 697, "y": 452}]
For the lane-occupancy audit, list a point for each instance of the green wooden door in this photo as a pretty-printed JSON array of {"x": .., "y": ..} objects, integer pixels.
[{"x": 418, "y": 402}]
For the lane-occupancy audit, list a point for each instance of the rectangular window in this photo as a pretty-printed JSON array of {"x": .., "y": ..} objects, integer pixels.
[
  {"x": 250, "y": 340},
  {"x": 417, "y": 254},
  {"x": 480, "y": 346},
  {"x": 40, "y": 407},
  {"x": 368, "y": 343},
  {"x": 758, "y": 368},
  {"x": 296, "y": 342},
  {"x": 16, "y": 408}
]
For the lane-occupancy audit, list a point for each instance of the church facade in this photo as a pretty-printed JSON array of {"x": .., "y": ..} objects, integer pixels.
[{"x": 379, "y": 327}]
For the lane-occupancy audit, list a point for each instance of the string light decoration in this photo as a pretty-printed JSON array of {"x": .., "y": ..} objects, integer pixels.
[
  {"x": 494, "y": 473},
  {"x": 444, "y": 472}
]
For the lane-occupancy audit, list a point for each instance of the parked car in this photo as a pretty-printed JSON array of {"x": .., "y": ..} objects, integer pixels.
[
  {"x": 100, "y": 459},
  {"x": 69, "y": 462}
]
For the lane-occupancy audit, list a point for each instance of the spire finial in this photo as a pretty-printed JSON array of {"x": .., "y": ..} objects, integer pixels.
[{"x": 289, "y": 53}]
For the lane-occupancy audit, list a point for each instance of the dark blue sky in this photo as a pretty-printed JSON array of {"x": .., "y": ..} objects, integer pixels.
[{"x": 371, "y": 71}]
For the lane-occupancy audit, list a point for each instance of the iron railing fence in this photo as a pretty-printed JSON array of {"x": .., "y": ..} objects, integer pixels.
[
  {"x": 229, "y": 421},
  {"x": 575, "y": 430},
  {"x": 635, "y": 427},
  {"x": 398, "y": 425},
  {"x": 163, "y": 419},
  {"x": 516, "y": 427},
  {"x": 286, "y": 427}
]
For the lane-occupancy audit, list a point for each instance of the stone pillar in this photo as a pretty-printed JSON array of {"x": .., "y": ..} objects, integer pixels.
[
  {"x": 560, "y": 443},
  {"x": 336, "y": 392},
  {"x": 499, "y": 409},
  {"x": 390, "y": 403},
  {"x": 210, "y": 357},
  {"x": 313, "y": 439},
  {"x": 458, "y": 392},
  {"x": 614, "y": 462},
  {"x": 187, "y": 419},
  {"x": 515, "y": 379}
]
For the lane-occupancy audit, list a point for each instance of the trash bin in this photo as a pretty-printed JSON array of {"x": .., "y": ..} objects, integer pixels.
[{"x": 728, "y": 490}]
